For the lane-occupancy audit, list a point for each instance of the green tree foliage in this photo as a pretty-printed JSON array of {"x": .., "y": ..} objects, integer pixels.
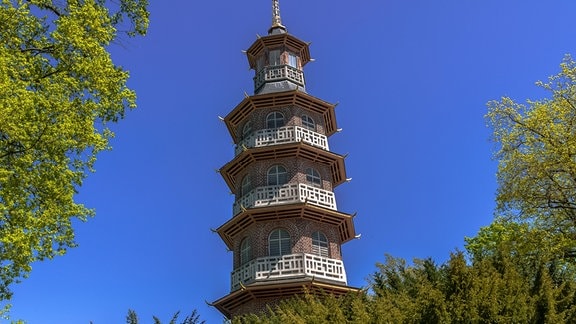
[
  {"x": 310, "y": 309},
  {"x": 59, "y": 91},
  {"x": 536, "y": 198},
  {"x": 132, "y": 317},
  {"x": 536, "y": 149},
  {"x": 193, "y": 318},
  {"x": 493, "y": 289},
  {"x": 527, "y": 246}
]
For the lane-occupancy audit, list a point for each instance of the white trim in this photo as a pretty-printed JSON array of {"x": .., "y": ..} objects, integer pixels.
[{"x": 287, "y": 267}]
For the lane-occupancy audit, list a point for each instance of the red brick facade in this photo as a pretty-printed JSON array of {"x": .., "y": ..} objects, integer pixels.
[
  {"x": 296, "y": 168},
  {"x": 300, "y": 231},
  {"x": 292, "y": 116}
]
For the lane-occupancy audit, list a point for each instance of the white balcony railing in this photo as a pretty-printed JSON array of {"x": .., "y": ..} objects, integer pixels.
[
  {"x": 287, "y": 267},
  {"x": 278, "y": 73},
  {"x": 287, "y": 134},
  {"x": 285, "y": 194}
]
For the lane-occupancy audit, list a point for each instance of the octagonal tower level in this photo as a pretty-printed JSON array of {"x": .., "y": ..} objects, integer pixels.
[{"x": 286, "y": 231}]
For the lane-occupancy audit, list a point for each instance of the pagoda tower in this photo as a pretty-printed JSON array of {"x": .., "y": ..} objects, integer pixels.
[{"x": 286, "y": 231}]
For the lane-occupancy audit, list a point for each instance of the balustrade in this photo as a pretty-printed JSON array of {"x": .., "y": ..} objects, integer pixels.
[
  {"x": 288, "y": 266},
  {"x": 287, "y": 134},
  {"x": 285, "y": 194},
  {"x": 277, "y": 73}
]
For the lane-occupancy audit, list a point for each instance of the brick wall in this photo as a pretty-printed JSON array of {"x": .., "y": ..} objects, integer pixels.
[
  {"x": 259, "y": 306},
  {"x": 292, "y": 117},
  {"x": 300, "y": 231},
  {"x": 296, "y": 169}
]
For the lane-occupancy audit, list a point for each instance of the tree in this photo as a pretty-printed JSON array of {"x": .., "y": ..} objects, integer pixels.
[
  {"x": 495, "y": 288},
  {"x": 193, "y": 318},
  {"x": 310, "y": 308},
  {"x": 536, "y": 197},
  {"x": 536, "y": 149},
  {"x": 59, "y": 91},
  {"x": 132, "y": 317}
]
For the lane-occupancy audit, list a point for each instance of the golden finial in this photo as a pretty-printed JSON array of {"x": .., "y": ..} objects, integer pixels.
[{"x": 276, "y": 20}]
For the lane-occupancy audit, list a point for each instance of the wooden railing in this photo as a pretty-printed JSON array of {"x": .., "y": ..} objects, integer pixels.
[
  {"x": 278, "y": 73},
  {"x": 287, "y": 134},
  {"x": 285, "y": 194},
  {"x": 288, "y": 266}
]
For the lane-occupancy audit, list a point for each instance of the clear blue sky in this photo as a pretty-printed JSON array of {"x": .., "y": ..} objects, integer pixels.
[{"x": 412, "y": 79}]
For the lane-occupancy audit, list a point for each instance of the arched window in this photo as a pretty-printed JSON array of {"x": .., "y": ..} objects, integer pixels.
[
  {"x": 246, "y": 185},
  {"x": 313, "y": 177},
  {"x": 245, "y": 251},
  {"x": 292, "y": 60},
  {"x": 279, "y": 242},
  {"x": 319, "y": 244},
  {"x": 274, "y": 57},
  {"x": 308, "y": 122},
  {"x": 247, "y": 129},
  {"x": 274, "y": 119},
  {"x": 277, "y": 175}
]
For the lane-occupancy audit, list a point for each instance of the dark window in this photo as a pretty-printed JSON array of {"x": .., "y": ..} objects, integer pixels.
[
  {"x": 279, "y": 242},
  {"x": 319, "y": 244},
  {"x": 292, "y": 60},
  {"x": 277, "y": 175},
  {"x": 313, "y": 177},
  {"x": 246, "y": 185},
  {"x": 247, "y": 129},
  {"x": 308, "y": 122},
  {"x": 274, "y": 57},
  {"x": 245, "y": 251},
  {"x": 275, "y": 119}
]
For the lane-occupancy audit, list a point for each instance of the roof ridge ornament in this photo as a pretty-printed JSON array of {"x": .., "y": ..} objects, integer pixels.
[{"x": 277, "y": 26}]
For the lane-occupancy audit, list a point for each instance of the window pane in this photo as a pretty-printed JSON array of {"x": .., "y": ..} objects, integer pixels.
[
  {"x": 247, "y": 129},
  {"x": 292, "y": 60},
  {"x": 245, "y": 251},
  {"x": 279, "y": 242},
  {"x": 246, "y": 185},
  {"x": 277, "y": 175},
  {"x": 274, "y": 248},
  {"x": 272, "y": 180},
  {"x": 274, "y": 57},
  {"x": 319, "y": 244},
  {"x": 283, "y": 234},
  {"x": 285, "y": 246},
  {"x": 313, "y": 177},
  {"x": 275, "y": 120},
  {"x": 275, "y": 235},
  {"x": 308, "y": 122},
  {"x": 282, "y": 177}
]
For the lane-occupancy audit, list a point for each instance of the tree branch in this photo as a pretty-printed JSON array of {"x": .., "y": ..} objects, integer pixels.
[
  {"x": 21, "y": 147},
  {"x": 49, "y": 74},
  {"x": 37, "y": 50},
  {"x": 50, "y": 7}
]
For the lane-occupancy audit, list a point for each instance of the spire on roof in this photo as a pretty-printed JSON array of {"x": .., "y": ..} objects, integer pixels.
[{"x": 277, "y": 26}]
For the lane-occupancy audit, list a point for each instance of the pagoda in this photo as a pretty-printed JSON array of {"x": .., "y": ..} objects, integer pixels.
[{"x": 285, "y": 232}]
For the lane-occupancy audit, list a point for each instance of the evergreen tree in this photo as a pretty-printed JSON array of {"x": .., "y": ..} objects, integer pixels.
[{"x": 193, "y": 318}]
